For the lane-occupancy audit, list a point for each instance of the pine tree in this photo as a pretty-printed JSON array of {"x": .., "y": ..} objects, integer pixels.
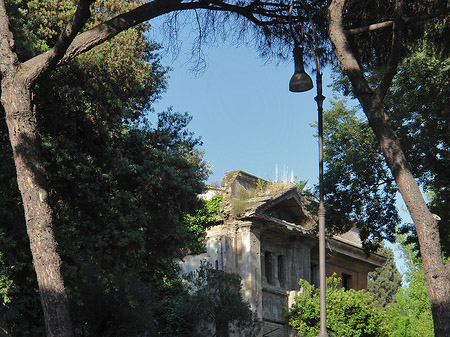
[{"x": 385, "y": 281}]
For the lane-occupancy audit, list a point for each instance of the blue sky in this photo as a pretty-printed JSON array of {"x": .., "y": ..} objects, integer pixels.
[
  {"x": 244, "y": 113},
  {"x": 246, "y": 116}
]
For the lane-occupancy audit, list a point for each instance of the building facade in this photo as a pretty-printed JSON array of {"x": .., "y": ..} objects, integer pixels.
[{"x": 265, "y": 233}]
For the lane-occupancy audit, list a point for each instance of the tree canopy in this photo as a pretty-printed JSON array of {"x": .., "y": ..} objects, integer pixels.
[
  {"x": 384, "y": 282},
  {"x": 119, "y": 186},
  {"x": 419, "y": 109},
  {"x": 409, "y": 314},
  {"x": 419, "y": 113},
  {"x": 350, "y": 29},
  {"x": 359, "y": 189}
]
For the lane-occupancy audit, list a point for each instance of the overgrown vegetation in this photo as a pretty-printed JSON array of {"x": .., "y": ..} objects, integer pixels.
[
  {"x": 204, "y": 217},
  {"x": 349, "y": 312},
  {"x": 385, "y": 309},
  {"x": 263, "y": 188},
  {"x": 410, "y": 313},
  {"x": 208, "y": 303}
]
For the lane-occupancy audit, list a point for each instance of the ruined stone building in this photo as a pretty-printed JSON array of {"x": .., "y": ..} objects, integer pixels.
[{"x": 264, "y": 236}]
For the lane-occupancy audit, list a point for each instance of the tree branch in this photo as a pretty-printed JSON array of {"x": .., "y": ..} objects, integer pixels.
[
  {"x": 388, "y": 24},
  {"x": 394, "y": 57},
  {"x": 38, "y": 65},
  {"x": 69, "y": 44},
  {"x": 375, "y": 26},
  {"x": 343, "y": 50},
  {"x": 8, "y": 58}
]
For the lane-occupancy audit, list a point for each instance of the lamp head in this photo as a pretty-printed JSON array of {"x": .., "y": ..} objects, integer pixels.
[{"x": 300, "y": 81}]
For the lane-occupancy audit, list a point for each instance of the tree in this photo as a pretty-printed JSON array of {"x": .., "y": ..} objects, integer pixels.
[
  {"x": 205, "y": 302},
  {"x": 271, "y": 20},
  {"x": 349, "y": 312},
  {"x": 359, "y": 189},
  {"x": 20, "y": 73},
  {"x": 437, "y": 274},
  {"x": 97, "y": 150},
  {"x": 220, "y": 303},
  {"x": 410, "y": 313},
  {"x": 385, "y": 281},
  {"x": 422, "y": 120},
  {"x": 116, "y": 253}
]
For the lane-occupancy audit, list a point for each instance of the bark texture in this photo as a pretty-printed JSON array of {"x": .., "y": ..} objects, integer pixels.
[
  {"x": 17, "y": 80},
  {"x": 16, "y": 83},
  {"x": 22, "y": 125},
  {"x": 437, "y": 274}
]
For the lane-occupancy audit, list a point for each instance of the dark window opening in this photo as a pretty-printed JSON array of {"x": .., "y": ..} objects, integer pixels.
[
  {"x": 314, "y": 275},
  {"x": 268, "y": 264},
  {"x": 280, "y": 265},
  {"x": 346, "y": 281}
]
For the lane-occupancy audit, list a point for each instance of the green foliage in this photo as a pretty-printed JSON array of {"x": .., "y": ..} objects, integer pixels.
[
  {"x": 385, "y": 281},
  {"x": 141, "y": 184},
  {"x": 418, "y": 108},
  {"x": 261, "y": 185},
  {"x": 204, "y": 217},
  {"x": 410, "y": 313},
  {"x": 418, "y": 103},
  {"x": 209, "y": 298},
  {"x": 359, "y": 189},
  {"x": 349, "y": 312},
  {"x": 5, "y": 282},
  {"x": 301, "y": 185},
  {"x": 118, "y": 185},
  {"x": 118, "y": 214}
]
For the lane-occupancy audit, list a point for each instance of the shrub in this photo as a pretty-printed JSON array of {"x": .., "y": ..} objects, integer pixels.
[{"x": 349, "y": 312}]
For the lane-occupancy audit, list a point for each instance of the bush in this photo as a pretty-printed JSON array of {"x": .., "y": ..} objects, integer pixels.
[
  {"x": 349, "y": 312},
  {"x": 210, "y": 305}
]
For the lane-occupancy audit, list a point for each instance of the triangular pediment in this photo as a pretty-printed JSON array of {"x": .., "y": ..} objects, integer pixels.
[
  {"x": 287, "y": 207},
  {"x": 278, "y": 203}
]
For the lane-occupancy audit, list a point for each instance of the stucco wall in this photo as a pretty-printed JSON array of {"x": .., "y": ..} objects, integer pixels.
[{"x": 358, "y": 279}]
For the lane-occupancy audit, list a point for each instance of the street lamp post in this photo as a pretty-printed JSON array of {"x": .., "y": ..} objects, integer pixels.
[{"x": 301, "y": 82}]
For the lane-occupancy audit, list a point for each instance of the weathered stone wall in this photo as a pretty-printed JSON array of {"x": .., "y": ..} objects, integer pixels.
[
  {"x": 271, "y": 329},
  {"x": 274, "y": 301},
  {"x": 248, "y": 264},
  {"x": 271, "y": 252}
]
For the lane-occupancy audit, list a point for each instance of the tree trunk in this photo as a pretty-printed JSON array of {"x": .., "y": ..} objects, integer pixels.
[
  {"x": 22, "y": 127},
  {"x": 437, "y": 274}
]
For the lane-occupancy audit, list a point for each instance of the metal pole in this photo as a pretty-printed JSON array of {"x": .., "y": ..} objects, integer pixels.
[{"x": 321, "y": 213}]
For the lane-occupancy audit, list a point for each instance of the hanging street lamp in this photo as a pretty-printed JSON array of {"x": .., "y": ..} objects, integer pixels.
[{"x": 301, "y": 82}]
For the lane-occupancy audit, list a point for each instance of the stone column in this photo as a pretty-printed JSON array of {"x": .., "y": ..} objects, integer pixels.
[{"x": 249, "y": 265}]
